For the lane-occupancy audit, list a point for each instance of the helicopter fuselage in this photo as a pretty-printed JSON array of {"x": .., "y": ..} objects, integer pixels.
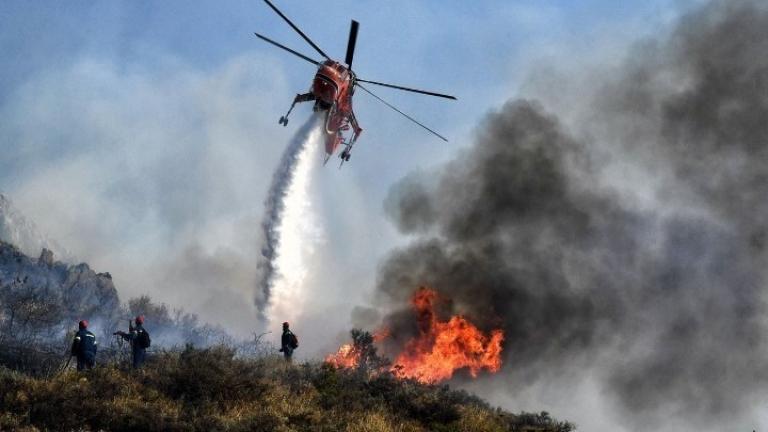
[{"x": 333, "y": 88}]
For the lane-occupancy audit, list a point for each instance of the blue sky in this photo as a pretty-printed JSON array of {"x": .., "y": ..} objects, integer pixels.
[{"x": 464, "y": 47}]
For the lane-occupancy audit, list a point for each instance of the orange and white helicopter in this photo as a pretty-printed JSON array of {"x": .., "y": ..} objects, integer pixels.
[{"x": 332, "y": 90}]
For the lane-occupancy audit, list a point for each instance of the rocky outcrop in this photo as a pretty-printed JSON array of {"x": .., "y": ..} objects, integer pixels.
[
  {"x": 42, "y": 299},
  {"x": 80, "y": 291},
  {"x": 46, "y": 258}
]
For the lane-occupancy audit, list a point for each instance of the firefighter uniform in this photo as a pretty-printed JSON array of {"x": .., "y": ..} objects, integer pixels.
[{"x": 84, "y": 347}]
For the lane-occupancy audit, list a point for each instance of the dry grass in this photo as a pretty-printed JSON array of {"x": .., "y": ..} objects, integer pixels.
[{"x": 211, "y": 389}]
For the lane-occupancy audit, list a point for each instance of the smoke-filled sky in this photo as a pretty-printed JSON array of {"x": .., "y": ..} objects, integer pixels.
[
  {"x": 601, "y": 199},
  {"x": 142, "y": 136}
]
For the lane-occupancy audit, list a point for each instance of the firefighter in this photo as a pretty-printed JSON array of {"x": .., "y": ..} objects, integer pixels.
[
  {"x": 288, "y": 342},
  {"x": 139, "y": 339},
  {"x": 84, "y": 347}
]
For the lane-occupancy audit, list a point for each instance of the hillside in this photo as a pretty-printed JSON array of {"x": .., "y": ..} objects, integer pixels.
[
  {"x": 212, "y": 389},
  {"x": 42, "y": 299},
  {"x": 221, "y": 385}
]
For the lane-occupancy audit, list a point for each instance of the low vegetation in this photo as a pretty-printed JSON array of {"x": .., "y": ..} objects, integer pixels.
[
  {"x": 222, "y": 385},
  {"x": 215, "y": 389}
]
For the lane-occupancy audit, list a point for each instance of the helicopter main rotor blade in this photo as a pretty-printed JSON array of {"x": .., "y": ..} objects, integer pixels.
[
  {"x": 404, "y": 114},
  {"x": 264, "y": 38},
  {"x": 301, "y": 33},
  {"x": 351, "y": 43},
  {"x": 409, "y": 89}
]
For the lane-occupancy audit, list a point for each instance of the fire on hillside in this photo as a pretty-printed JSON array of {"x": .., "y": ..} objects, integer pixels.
[{"x": 440, "y": 348}]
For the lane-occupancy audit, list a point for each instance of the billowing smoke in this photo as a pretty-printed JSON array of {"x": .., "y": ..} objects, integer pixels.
[
  {"x": 155, "y": 174},
  {"x": 285, "y": 211},
  {"x": 533, "y": 229}
]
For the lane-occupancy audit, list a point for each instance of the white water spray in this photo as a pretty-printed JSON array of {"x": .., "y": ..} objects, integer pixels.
[
  {"x": 300, "y": 233},
  {"x": 291, "y": 229}
]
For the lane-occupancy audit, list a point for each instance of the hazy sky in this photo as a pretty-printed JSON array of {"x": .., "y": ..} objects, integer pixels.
[{"x": 142, "y": 135}]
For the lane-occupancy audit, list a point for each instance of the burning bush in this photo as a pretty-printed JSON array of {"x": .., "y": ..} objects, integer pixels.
[
  {"x": 360, "y": 354},
  {"x": 440, "y": 348}
]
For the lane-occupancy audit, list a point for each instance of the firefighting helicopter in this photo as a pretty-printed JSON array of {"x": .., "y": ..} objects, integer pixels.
[{"x": 332, "y": 90}]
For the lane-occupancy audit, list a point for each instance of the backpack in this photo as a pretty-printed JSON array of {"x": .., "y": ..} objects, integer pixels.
[
  {"x": 293, "y": 341},
  {"x": 142, "y": 338}
]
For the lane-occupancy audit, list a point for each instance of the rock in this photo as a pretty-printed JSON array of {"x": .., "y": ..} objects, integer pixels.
[
  {"x": 46, "y": 258},
  {"x": 78, "y": 290}
]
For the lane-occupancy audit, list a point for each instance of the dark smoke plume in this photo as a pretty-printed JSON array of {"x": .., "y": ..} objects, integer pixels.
[
  {"x": 273, "y": 210},
  {"x": 666, "y": 303}
]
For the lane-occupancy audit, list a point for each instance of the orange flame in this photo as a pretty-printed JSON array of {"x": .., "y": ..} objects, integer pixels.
[
  {"x": 441, "y": 348},
  {"x": 348, "y": 355}
]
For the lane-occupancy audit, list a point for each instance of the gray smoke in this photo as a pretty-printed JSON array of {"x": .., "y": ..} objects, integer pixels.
[
  {"x": 274, "y": 205},
  {"x": 16, "y": 229},
  {"x": 528, "y": 230}
]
